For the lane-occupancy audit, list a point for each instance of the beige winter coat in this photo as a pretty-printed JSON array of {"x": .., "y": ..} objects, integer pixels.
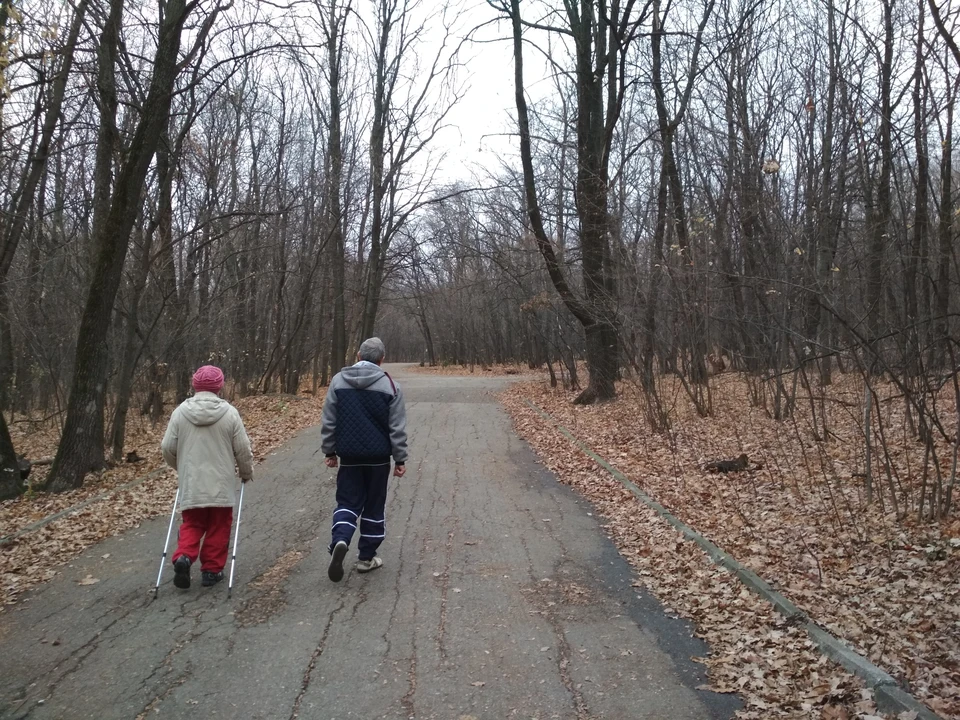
[{"x": 204, "y": 441}]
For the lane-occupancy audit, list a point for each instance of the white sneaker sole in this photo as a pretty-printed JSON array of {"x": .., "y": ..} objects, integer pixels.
[{"x": 377, "y": 562}]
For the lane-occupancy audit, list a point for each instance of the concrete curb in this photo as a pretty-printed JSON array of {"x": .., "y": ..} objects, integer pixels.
[
  {"x": 78, "y": 507},
  {"x": 888, "y": 694}
]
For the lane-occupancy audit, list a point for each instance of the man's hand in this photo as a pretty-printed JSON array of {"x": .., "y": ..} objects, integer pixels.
[
  {"x": 332, "y": 462},
  {"x": 399, "y": 470}
]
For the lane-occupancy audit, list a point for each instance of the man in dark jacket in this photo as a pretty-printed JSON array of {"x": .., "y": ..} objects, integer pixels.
[{"x": 364, "y": 423}]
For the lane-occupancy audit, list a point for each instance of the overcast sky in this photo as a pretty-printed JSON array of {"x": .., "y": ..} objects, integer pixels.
[{"x": 482, "y": 122}]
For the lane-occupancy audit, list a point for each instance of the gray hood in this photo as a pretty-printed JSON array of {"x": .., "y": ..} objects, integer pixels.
[
  {"x": 362, "y": 375},
  {"x": 204, "y": 408}
]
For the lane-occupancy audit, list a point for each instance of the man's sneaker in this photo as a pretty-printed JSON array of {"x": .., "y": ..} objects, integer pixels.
[
  {"x": 181, "y": 570},
  {"x": 335, "y": 570},
  {"x": 211, "y": 578},
  {"x": 368, "y": 565}
]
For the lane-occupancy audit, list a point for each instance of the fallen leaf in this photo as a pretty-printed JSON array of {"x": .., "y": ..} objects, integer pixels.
[
  {"x": 780, "y": 519},
  {"x": 835, "y": 712}
]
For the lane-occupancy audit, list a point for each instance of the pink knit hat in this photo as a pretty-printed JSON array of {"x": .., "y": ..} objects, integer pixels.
[{"x": 208, "y": 379}]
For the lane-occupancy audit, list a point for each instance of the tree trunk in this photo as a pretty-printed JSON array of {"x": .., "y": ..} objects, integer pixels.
[
  {"x": 81, "y": 445},
  {"x": 595, "y": 310},
  {"x": 656, "y": 274},
  {"x": 921, "y": 219},
  {"x": 21, "y": 202},
  {"x": 879, "y": 214},
  {"x": 381, "y": 109},
  {"x": 823, "y": 243},
  {"x": 945, "y": 240},
  {"x": 11, "y": 484},
  {"x": 131, "y": 352},
  {"x": 333, "y": 28},
  {"x": 591, "y": 193},
  {"x": 667, "y": 127}
]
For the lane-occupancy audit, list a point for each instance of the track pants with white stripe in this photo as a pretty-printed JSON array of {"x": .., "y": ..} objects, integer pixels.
[{"x": 361, "y": 497}]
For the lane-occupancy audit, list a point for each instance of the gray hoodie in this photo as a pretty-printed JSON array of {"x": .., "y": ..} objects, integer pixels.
[
  {"x": 205, "y": 439},
  {"x": 364, "y": 417}
]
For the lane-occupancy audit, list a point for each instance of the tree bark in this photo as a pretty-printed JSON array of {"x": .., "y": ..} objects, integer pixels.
[
  {"x": 945, "y": 232},
  {"x": 131, "y": 352},
  {"x": 334, "y": 28},
  {"x": 648, "y": 351},
  {"x": 162, "y": 224},
  {"x": 591, "y": 194},
  {"x": 667, "y": 129},
  {"x": 81, "y": 445},
  {"x": 594, "y": 128},
  {"x": 921, "y": 218},
  {"x": 879, "y": 214},
  {"x": 382, "y": 96},
  {"x": 822, "y": 246},
  {"x": 11, "y": 484},
  {"x": 23, "y": 199}
]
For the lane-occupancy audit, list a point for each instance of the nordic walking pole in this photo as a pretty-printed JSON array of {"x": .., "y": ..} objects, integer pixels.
[
  {"x": 166, "y": 542},
  {"x": 236, "y": 537}
]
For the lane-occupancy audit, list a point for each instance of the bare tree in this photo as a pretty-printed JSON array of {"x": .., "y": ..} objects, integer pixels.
[
  {"x": 81, "y": 446},
  {"x": 601, "y": 35},
  {"x": 411, "y": 99}
]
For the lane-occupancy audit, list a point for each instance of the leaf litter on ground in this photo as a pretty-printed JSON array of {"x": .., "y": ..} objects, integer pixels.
[
  {"x": 35, "y": 557},
  {"x": 800, "y": 522},
  {"x": 478, "y": 369}
]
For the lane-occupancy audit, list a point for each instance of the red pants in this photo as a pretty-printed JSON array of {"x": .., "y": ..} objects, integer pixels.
[{"x": 214, "y": 522}]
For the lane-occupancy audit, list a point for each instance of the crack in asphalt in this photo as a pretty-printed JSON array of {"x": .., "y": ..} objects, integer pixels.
[
  {"x": 307, "y": 674},
  {"x": 200, "y": 627},
  {"x": 181, "y": 679},
  {"x": 472, "y": 513},
  {"x": 80, "y": 654},
  {"x": 93, "y": 643},
  {"x": 407, "y": 701},
  {"x": 565, "y": 654},
  {"x": 401, "y": 561},
  {"x": 547, "y": 612}
]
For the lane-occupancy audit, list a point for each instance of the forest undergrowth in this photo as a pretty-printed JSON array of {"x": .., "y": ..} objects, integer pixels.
[{"x": 881, "y": 578}]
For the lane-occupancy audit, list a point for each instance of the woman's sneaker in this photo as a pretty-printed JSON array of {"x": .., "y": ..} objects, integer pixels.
[
  {"x": 335, "y": 569},
  {"x": 181, "y": 570},
  {"x": 368, "y": 565},
  {"x": 211, "y": 578}
]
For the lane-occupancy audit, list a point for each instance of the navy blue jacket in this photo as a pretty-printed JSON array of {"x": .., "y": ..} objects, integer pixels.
[{"x": 364, "y": 417}]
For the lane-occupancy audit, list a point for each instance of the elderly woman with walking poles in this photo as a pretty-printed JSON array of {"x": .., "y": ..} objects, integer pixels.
[
  {"x": 207, "y": 444},
  {"x": 364, "y": 423}
]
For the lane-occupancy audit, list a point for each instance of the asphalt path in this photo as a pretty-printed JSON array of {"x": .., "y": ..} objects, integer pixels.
[{"x": 500, "y": 597}]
